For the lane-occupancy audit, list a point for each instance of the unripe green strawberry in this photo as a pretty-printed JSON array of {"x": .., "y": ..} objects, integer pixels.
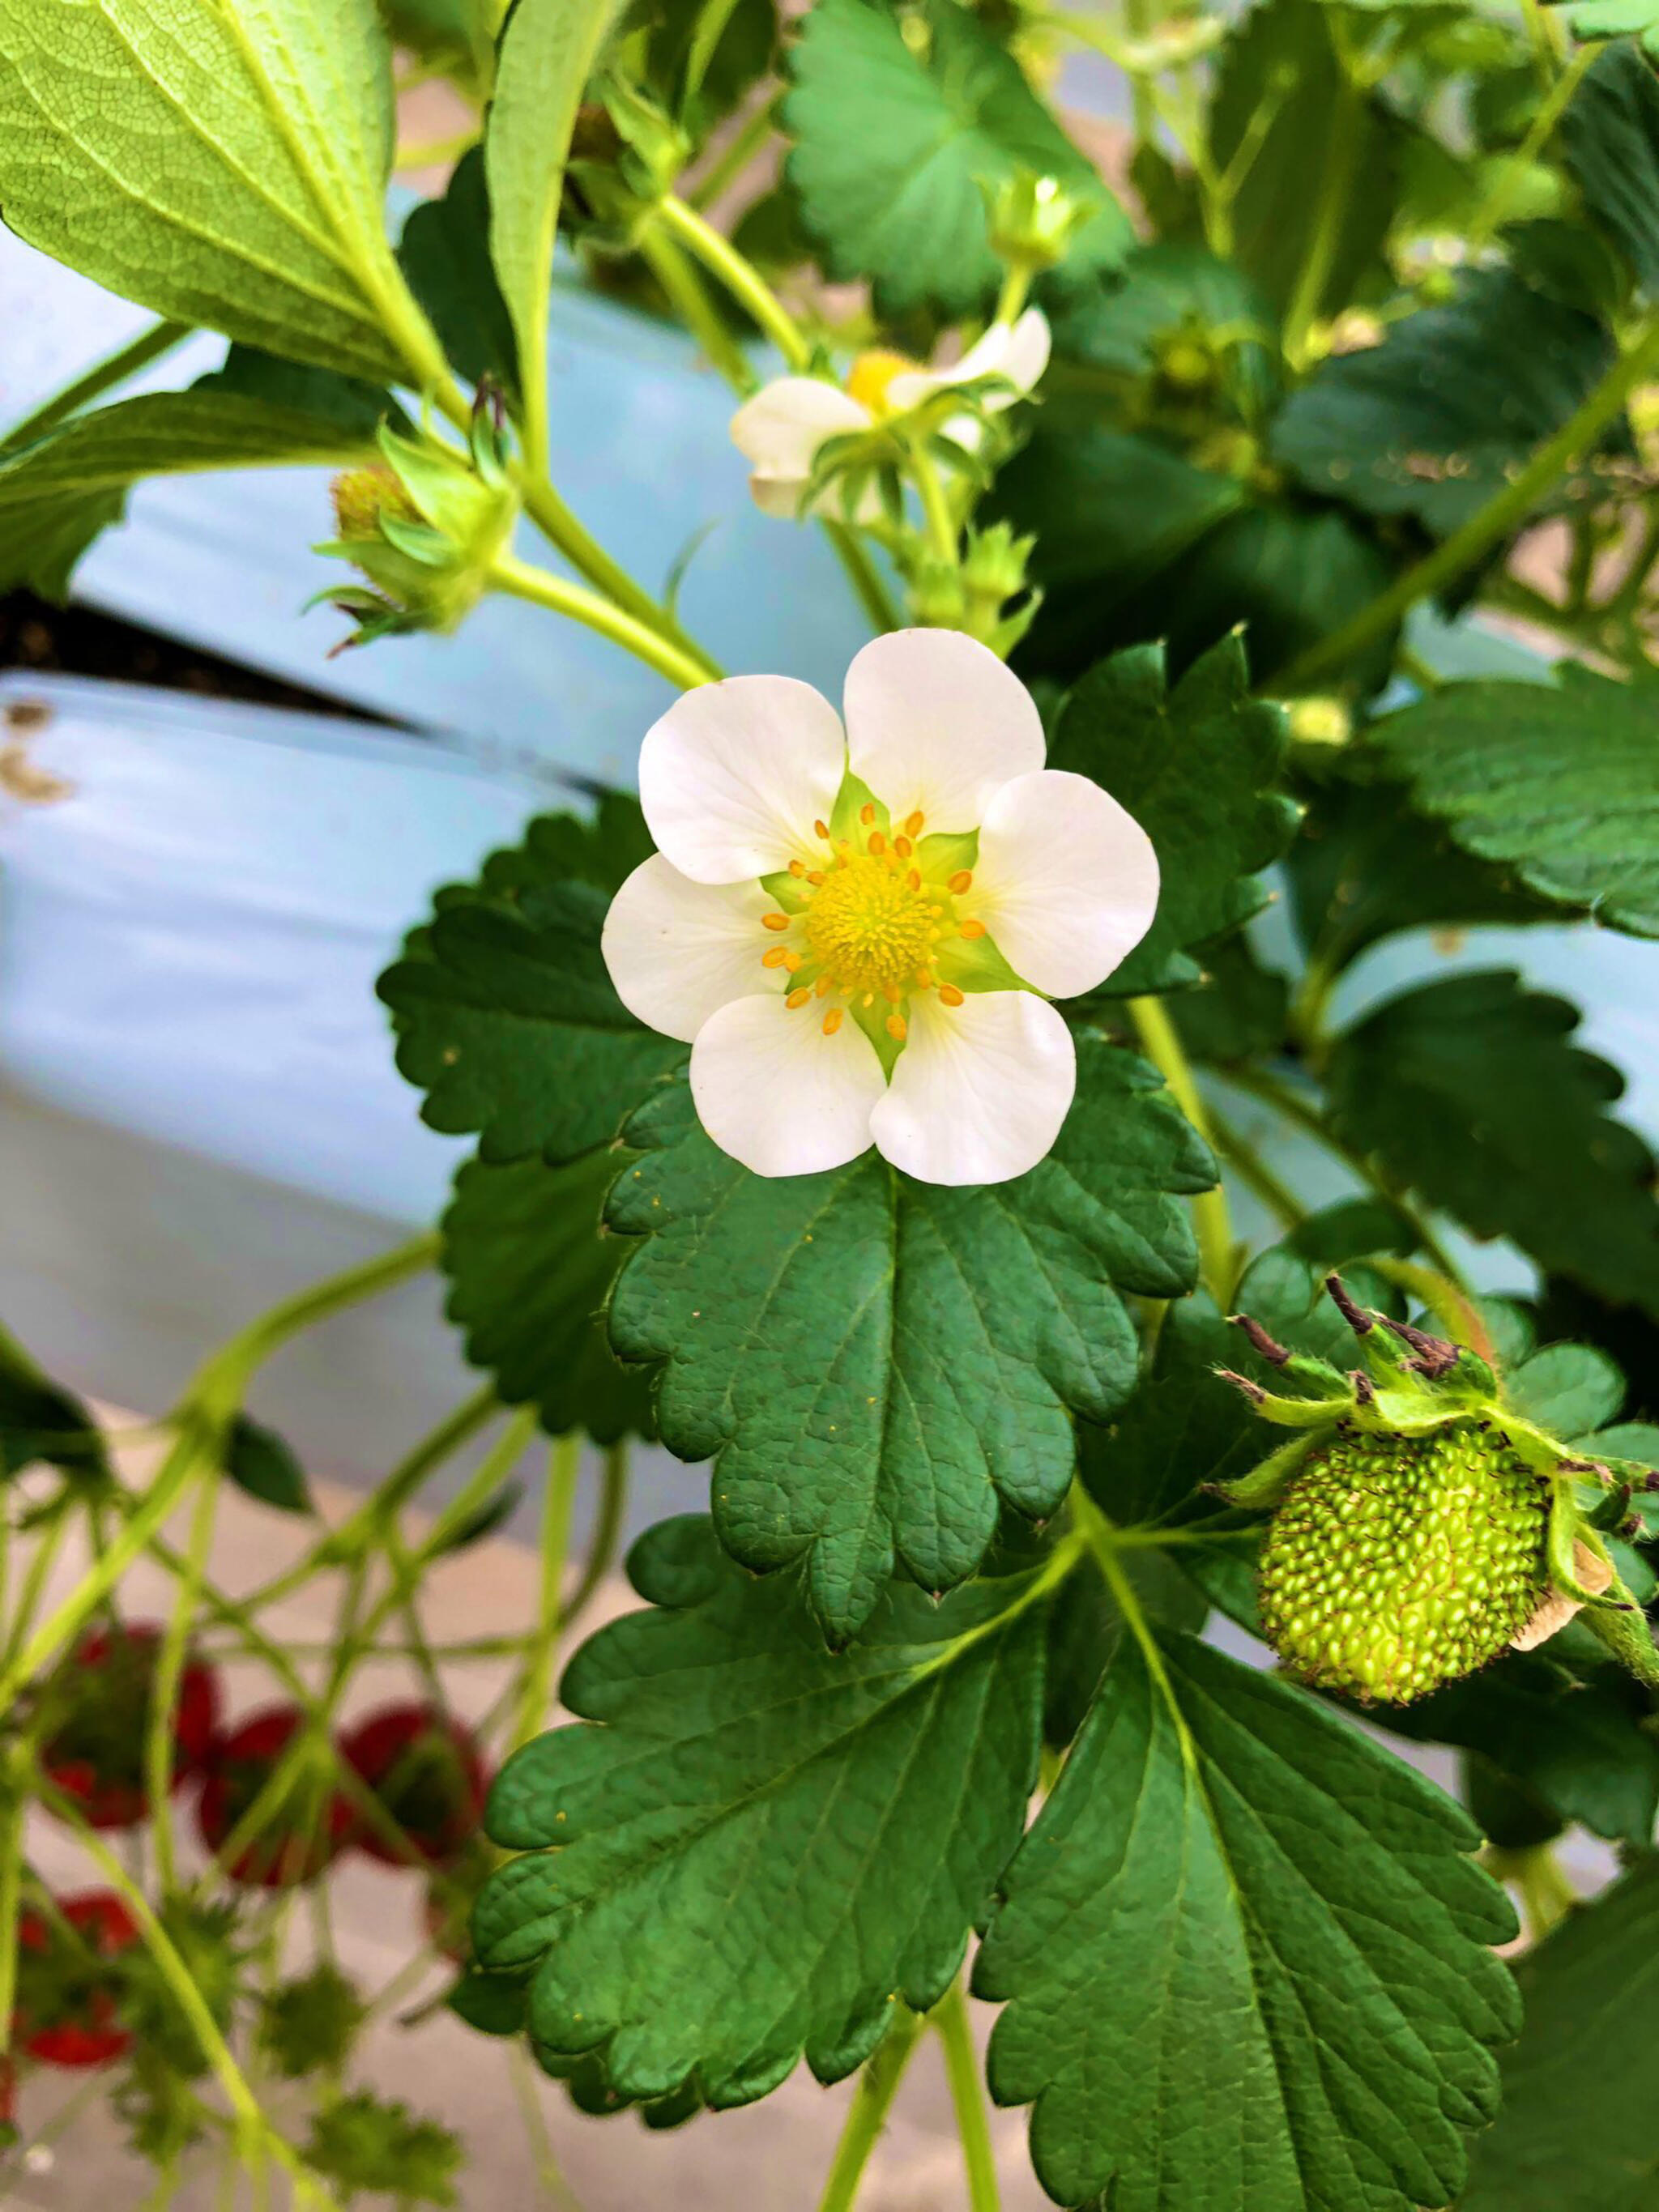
[{"x": 1395, "y": 1563}]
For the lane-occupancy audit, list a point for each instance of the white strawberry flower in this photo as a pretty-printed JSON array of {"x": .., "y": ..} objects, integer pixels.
[
  {"x": 859, "y": 932},
  {"x": 780, "y": 430}
]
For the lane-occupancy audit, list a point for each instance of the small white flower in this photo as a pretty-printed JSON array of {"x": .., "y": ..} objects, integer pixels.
[
  {"x": 851, "y": 930},
  {"x": 779, "y": 431}
]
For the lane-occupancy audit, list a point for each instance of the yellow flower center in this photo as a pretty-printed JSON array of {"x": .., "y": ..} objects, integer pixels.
[
  {"x": 869, "y": 928},
  {"x": 872, "y": 375}
]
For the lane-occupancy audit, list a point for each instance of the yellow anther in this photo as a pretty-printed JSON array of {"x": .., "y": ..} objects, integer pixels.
[
  {"x": 925, "y": 978},
  {"x": 973, "y": 929},
  {"x": 798, "y": 998},
  {"x": 950, "y": 994},
  {"x": 896, "y": 1027},
  {"x": 913, "y": 823},
  {"x": 791, "y": 961},
  {"x": 867, "y": 926},
  {"x": 821, "y": 830},
  {"x": 891, "y": 993},
  {"x": 866, "y": 814},
  {"x": 798, "y": 868},
  {"x": 915, "y": 879},
  {"x": 832, "y": 1021},
  {"x": 774, "y": 956},
  {"x": 960, "y": 881},
  {"x": 774, "y": 921},
  {"x": 877, "y": 842},
  {"x": 815, "y": 876},
  {"x": 869, "y": 998},
  {"x": 824, "y": 985},
  {"x": 871, "y": 374}
]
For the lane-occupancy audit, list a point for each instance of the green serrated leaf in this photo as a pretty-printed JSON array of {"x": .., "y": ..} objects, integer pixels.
[
  {"x": 443, "y": 254},
  {"x": 223, "y": 161},
  {"x": 40, "y": 1423},
  {"x": 1440, "y": 416},
  {"x": 875, "y": 1364},
  {"x": 1610, "y": 134},
  {"x": 1469, "y": 1093},
  {"x": 492, "y": 2004},
  {"x": 58, "y": 494},
  {"x": 259, "y": 1462},
  {"x": 1576, "y": 2134},
  {"x": 1567, "y": 1388},
  {"x": 1195, "y": 763},
  {"x": 851, "y": 1813},
  {"x": 1557, "y": 783},
  {"x": 504, "y": 1010},
  {"x": 1243, "y": 1957},
  {"x": 547, "y": 50},
  {"x": 893, "y": 143},
  {"x": 530, "y": 1270}
]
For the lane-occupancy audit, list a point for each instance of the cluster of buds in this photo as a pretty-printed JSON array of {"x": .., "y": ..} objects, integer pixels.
[
  {"x": 987, "y": 593},
  {"x": 1421, "y": 1525},
  {"x": 626, "y": 152},
  {"x": 425, "y": 524}
]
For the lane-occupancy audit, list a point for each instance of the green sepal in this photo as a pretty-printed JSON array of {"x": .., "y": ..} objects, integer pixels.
[{"x": 1265, "y": 1484}]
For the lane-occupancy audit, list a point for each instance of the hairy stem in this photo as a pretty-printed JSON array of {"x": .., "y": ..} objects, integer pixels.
[
  {"x": 1210, "y": 1215},
  {"x": 872, "y": 2099},
  {"x": 646, "y": 642}
]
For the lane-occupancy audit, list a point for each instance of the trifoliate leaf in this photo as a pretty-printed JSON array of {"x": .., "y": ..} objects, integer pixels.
[
  {"x": 367, "y": 2142},
  {"x": 1440, "y": 416},
  {"x": 896, "y": 129},
  {"x": 849, "y": 1814},
  {"x": 39, "y": 1422},
  {"x": 1243, "y": 1957},
  {"x": 262, "y": 1463},
  {"x": 1468, "y": 1092},
  {"x": 307, "y": 2026},
  {"x": 530, "y": 1270},
  {"x": 505, "y": 1012},
  {"x": 1558, "y": 784},
  {"x": 876, "y": 1364},
  {"x": 1576, "y": 2133},
  {"x": 222, "y": 161},
  {"x": 443, "y": 254},
  {"x": 1610, "y": 134},
  {"x": 1195, "y": 763}
]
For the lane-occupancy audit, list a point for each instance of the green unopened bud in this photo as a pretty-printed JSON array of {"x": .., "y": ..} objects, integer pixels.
[
  {"x": 1322, "y": 721},
  {"x": 993, "y": 575},
  {"x": 1033, "y": 220},
  {"x": 1397, "y": 1564}
]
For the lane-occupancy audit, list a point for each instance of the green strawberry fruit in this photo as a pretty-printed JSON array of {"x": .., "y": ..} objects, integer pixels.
[{"x": 1395, "y": 1563}]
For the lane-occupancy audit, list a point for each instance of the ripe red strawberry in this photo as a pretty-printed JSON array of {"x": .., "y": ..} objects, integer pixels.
[
  {"x": 426, "y": 1770},
  {"x": 66, "y": 2005},
  {"x": 286, "y": 1851},
  {"x": 98, "y": 1705}
]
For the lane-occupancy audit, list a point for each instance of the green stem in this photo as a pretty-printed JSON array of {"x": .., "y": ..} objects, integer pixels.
[
  {"x": 942, "y": 536},
  {"x": 1255, "y": 1173},
  {"x": 1501, "y": 515},
  {"x": 164, "y": 1683},
  {"x": 950, "y": 2017},
  {"x": 151, "y": 344},
  {"x": 735, "y": 157},
  {"x": 549, "y": 512},
  {"x": 675, "y": 271},
  {"x": 646, "y": 641},
  {"x": 1490, "y": 216},
  {"x": 558, "y": 1501},
  {"x": 13, "y": 1806},
  {"x": 1342, "y": 139},
  {"x": 739, "y": 276},
  {"x": 872, "y": 2098},
  {"x": 1210, "y": 1217},
  {"x": 607, "y": 1533}
]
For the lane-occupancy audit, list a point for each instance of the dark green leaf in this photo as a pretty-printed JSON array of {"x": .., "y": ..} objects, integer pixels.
[
  {"x": 1243, "y": 1957},
  {"x": 1084, "y": 1624},
  {"x": 757, "y": 1846},
  {"x": 493, "y": 2003},
  {"x": 1610, "y": 132},
  {"x": 1440, "y": 416},
  {"x": 505, "y": 1014},
  {"x": 40, "y": 1423},
  {"x": 530, "y": 1269},
  {"x": 1239, "y": 1011},
  {"x": 1468, "y": 1092},
  {"x": 892, "y": 145},
  {"x": 1576, "y": 2134},
  {"x": 1559, "y": 784},
  {"x": 1147, "y": 337},
  {"x": 445, "y": 255},
  {"x": 259, "y": 1461},
  {"x": 874, "y": 1363},
  {"x": 1195, "y": 764}
]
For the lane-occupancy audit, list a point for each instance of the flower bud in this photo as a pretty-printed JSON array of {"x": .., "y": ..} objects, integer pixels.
[{"x": 1033, "y": 219}]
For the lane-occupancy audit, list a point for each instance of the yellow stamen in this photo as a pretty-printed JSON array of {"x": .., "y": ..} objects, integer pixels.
[
  {"x": 896, "y": 1027},
  {"x": 877, "y": 842},
  {"x": 824, "y": 985},
  {"x": 774, "y": 956},
  {"x": 913, "y": 823},
  {"x": 950, "y": 994},
  {"x": 903, "y": 848},
  {"x": 798, "y": 868},
  {"x": 960, "y": 881},
  {"x": 774, "y": 921},
  {"x": 798, "y": 998},
  {"x": 925, "y": 978},
  {"x": 915, "y": 879},
  {"x": 832, "y": 1021},
  {"x": 871, "y": 374},
  {"x": 973, "y": 929},
  {"x": 821, "y": 830},
  {"x": 815, "y": 876},
  {"x": 866, "y": 814},
  {"x": 791, "y": 961},
  {"x": 890, "y": 992}
]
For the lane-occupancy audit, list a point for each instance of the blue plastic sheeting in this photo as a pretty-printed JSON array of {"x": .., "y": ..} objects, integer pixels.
[
  {"x": 639, "y": 451},
  {"x": 189, "y": 940}
]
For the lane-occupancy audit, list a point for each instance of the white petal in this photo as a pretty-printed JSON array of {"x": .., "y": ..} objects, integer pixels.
[
  {"x": 733, "y": 776},
  {"x": 1065, "y": 881},
  {"x": 979, "y": 1091},
  {"x": 679, "y": 951},
  {"x": 1018, "y": 352},
  {"x": 781, "y": 427},
  {"x": 777, "y": 1094},
  {"x": 935, "y": 721}
]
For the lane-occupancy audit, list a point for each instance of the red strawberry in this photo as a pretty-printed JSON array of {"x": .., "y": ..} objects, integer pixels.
[
  {"x": 66, "y": 2007},
  {"x": 285, "y": 1852},
  {"x": 99, "y": 1701},
  {"x": 426, "y": 1769}
]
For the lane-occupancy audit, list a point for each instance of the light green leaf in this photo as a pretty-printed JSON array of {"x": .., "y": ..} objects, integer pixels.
[
  {"x": 1244, "y": 1957},
  {"x": 223, "y": 161},
  {"x": 1580, "y": 2088},
  {"x": 1195, "y": 763},
  {"x": 547, "y": 52},
  {"x": 893, "y": 140},
  {"x": 530, "y": 1269},
  {"x": 1440, "y": 416},
  {"x": 58, "y": 494},
  {"x": 1468, "y": 1092},
  {"x": 505, "y": 1012},
  {"x": 1610, "y": 132},
  {"x": 751, "y": 1847},
  {"x": 1567, "y": 1388},
  {"x": 1558, "y": 783},
  {"x": 877, "y": 1364}
]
